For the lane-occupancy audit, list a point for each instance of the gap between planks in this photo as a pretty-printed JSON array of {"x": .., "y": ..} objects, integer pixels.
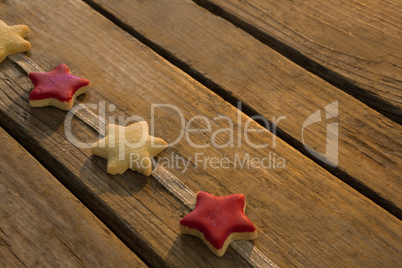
[
  {"x": 310, "y": 65},
  {"x": 289, "y": 53},
  {"x": 52, "y": 157},
  {"x": 43, "y": 224}
]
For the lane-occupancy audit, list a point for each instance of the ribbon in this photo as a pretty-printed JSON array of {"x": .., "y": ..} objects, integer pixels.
[{"x": 173, "y": 184}]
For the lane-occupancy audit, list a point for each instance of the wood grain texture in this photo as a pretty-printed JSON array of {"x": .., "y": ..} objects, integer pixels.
[
  {"x": 354, "y": 44},
  {"x": 304, "y": 215},
  {"x": 370, "y": 145},
  {"x": 43, "y": 225}
]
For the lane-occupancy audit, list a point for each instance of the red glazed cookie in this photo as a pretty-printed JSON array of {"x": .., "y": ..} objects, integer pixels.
[
  {"x": 57, "y": 88},
  {"x": 218, "y": 221}
]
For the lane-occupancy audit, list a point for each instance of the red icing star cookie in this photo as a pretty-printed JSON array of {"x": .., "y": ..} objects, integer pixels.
[
  {"x": 57, "y": 88},
  {"x": 218, "y": 221}
]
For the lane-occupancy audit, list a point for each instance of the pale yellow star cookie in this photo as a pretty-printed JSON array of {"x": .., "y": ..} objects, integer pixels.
[
  {"x": 128, "y": 147},
  {"x": 12, "y": 39}
]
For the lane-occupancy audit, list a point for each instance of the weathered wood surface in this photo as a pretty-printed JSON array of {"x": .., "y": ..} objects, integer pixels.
[
  {"x": 357, "y": 44},
  {"x": 304, "y": 215},
  {"x": 43, "y": 225},
  {"x": 370, "y": 145}
]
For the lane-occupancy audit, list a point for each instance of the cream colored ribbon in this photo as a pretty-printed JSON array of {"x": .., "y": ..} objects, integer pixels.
[{"x": 173, "y": 184}]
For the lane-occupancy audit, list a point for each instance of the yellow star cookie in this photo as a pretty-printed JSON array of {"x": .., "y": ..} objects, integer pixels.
[
  {"x": 12, "y": 39},
  {"x": 128, "y": 147}
]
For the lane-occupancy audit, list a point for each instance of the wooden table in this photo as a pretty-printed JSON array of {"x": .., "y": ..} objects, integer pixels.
[{"x": 282, "y": 60}]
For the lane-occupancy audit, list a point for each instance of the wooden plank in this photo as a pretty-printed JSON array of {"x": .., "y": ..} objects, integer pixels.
[
  {"x": 304, "y": 215},
  {"x": 369, "y": 144},
  {"x": 143, "y": 214},
  {"x": 354, "y": 44},
  {"x": 43, "y": 224}
]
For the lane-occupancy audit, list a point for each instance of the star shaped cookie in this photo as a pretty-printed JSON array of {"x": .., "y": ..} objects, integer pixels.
[
  {"x": 128, "y": 147},
  {"x": 12, "y": 39},
  {"x": 218, "y": 221},
  {"x": 57, "y": 88}
]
